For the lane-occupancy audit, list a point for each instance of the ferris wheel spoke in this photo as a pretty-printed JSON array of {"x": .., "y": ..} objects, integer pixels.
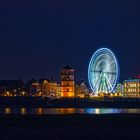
[
  {"x": 97, "y": 83},
  {"x": 109, "y": 83},
  {"x": 105, "y": 89},
  {"x": 110, "y": 73},
  {"x": 101, "y": 82},
  {"x": 104, "y": 72}
]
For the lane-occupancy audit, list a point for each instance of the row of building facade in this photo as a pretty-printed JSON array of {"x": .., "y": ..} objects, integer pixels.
[
  {"x": 66, "y": 89},
  {"x": 129, "y": 87},
  {"x": 46, "y": 87}
]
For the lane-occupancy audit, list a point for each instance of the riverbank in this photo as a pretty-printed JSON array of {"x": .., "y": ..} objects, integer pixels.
[
  {"x": 36, "y": 102},
  {"x": 70, "y": 127}
]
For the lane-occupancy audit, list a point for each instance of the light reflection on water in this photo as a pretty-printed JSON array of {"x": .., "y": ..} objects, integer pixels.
[
  {"x": 23, "y": 111},
  {"x": 7, "y": 111},
  {"x": 43, "y": 111},
  {"x": 39, "y": 111}
]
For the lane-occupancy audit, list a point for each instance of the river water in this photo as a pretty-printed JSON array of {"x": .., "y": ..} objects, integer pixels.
[{"x": 43, "y": 111}]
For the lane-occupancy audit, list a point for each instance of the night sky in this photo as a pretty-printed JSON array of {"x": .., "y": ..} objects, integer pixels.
[{"x": 38, "y": 39}]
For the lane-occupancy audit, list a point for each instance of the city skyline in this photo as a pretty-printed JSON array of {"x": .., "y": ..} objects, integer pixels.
[
  {"x": 70, "y": 69},
  {"x": 37, "y": 40}
]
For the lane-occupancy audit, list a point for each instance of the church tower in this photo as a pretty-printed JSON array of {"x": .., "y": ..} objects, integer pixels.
[{"x": 67, "y": 82}]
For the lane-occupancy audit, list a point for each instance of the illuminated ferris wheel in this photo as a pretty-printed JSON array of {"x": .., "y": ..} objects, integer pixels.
[{"x": 103, "y": 71}]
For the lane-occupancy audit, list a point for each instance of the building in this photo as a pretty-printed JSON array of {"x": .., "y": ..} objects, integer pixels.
[
  {"x": 58, "y": 91},
  {"x": 52, "y": 88},
  {"x": 44, "y": 84},
  {"x": 119, "y": 88},
  {"x": 35, "y": 89},
  {"x": 48, "y": 87},
  {"x": 132, "y": 87},
  {"x": 67, "y": 82},
  {"x": 12, "y": 88},
  {"x": 81, "y": 90}
]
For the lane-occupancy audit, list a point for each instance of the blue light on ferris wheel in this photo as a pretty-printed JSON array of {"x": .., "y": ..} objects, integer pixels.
[{"x": 103, "y": 71}]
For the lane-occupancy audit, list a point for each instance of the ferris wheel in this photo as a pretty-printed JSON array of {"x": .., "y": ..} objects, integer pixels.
[{"x": 103, "y": 71}]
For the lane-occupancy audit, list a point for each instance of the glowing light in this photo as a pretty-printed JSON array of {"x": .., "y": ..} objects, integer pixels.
[
  {"x": 23, "y": 93},
  {"x": 7, "y": 110},
  {"x": 23, "y": 111},
  {"x": 40, "y": 111},
  {"x": 103, "y": 71},
  {"x": 40, "y": 93},
  {"x": 97, "y": 111},
  {"x": 8, "y": 93}
]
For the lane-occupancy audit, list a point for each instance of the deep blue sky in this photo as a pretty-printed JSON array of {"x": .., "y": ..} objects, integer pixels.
[{"x": 38, "y": 39}]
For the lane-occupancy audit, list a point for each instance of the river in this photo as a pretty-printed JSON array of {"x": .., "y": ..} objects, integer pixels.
[{"x": 45, "y": 111}]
